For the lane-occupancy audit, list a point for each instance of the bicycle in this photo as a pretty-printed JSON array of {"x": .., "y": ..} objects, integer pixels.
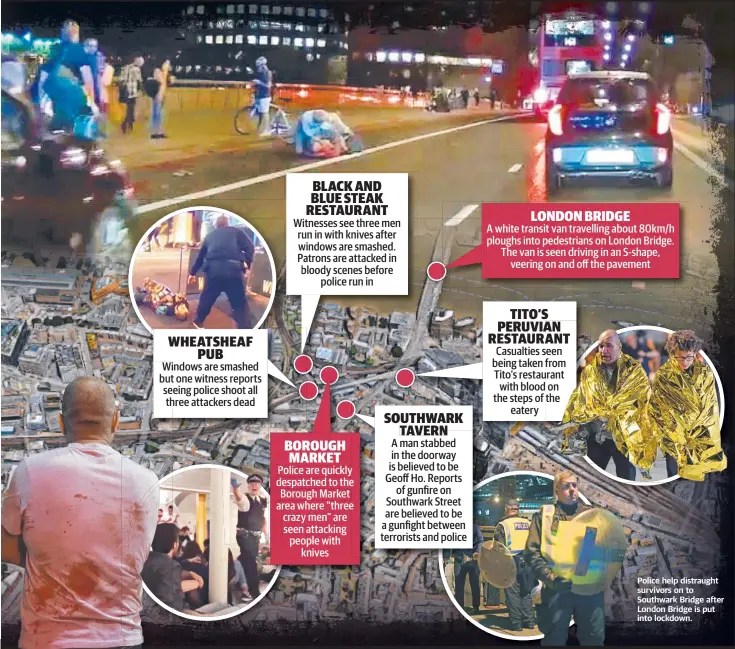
[{"x": 279, "y": 124}]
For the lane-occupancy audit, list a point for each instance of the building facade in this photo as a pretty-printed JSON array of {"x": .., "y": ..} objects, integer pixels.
[{"x": 303, "y": 42}]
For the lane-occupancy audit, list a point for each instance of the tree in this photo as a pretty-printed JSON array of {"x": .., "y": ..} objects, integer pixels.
[
  {"x": 62, "y": 263},
  {"x": 57, "y": 321},
  {"x": 396, "y": 352}
]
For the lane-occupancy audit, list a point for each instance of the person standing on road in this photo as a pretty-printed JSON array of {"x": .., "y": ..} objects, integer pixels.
[
  {"x": 81, "y": 520},
  {"x": 251, "y": 524},
  {"x": 263, "y": 89},
  {"x": 512, "y": 531},
  {"x": 222, "y": 258},
  {"x": 131, "y": 81},
  {"x": 156, "y": 88}
]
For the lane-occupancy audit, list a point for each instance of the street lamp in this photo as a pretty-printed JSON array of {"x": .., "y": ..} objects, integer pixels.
[
  {"x": 627, "y": 47},
  {"x": 606, "y": 56},
  {"x": 631, "y": 37},
  {"x": 625, "y": 57},
  {"x": 622, "y": 64},
  {"x": 606, "y": 24},
  {"x": 608, "y": 36}
]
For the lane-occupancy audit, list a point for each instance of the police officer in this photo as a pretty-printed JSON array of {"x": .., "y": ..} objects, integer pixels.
[
  {"x": 221, "y": 259},
  {"x": 251, "y": 524},
  {"x": 545, "y": 553},
  {"x": 465, "y": 564},
  {"x": 512, "y": 531}
]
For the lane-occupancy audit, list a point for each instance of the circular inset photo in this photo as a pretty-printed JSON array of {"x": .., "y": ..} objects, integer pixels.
[
  {"x": 648, "y": 407},
  {"x": 210, "y": 551},
  {"x": 202, "y": 268},
  {"x": 523, "y": 520}
]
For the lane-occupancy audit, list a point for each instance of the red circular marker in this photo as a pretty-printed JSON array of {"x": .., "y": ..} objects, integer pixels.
[
  {"x": 303, "y": 364},
  {"x": 345, "y": 409},
  {"x": 329, "y": 375},
  {"x": 436, "y": 271},
  {"x": 308, "y": 391},
  {"x": 405, "y": 378}
]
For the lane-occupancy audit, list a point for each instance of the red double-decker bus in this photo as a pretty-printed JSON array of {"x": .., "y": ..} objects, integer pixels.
[{"x": 568, "y": 42}]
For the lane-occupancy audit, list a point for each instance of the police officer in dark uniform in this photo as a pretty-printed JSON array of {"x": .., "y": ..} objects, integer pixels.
[
  {"x": 251, "y": 524},
  {"x": 222, "y": 259},
  {"x": 465, "y": 564},
  {"x": 512, "y": 531}
]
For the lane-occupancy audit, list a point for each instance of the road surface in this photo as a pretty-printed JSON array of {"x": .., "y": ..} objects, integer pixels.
[{"x": 489, "y": 161}]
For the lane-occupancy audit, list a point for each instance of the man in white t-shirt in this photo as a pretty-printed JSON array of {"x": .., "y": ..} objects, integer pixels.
[{"x": 83, "y": 518}]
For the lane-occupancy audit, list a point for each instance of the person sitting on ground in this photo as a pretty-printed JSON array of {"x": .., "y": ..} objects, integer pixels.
[
  {"x": 321, "y": 133},
  {"x": 162, "y": 575},
  {"x": 192, "y": 560}
]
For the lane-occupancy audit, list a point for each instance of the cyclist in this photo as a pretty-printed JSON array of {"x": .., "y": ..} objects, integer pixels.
[
  {"x": 263, "y": 83},
  {"x": 320, "y": 133}
]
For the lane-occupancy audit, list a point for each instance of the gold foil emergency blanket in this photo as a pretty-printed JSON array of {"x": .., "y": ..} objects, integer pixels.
[
  {"x": 684, "y": 415},
  {"x": 624, "y": 408}
]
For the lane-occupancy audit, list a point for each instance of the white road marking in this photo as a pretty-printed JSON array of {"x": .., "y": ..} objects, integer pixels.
[
  {"x": 700, "y": 162},
  {"x": 515, "y": 168},
  {"x": 257, "y": 180},
  {"x": 460, "y": 216}
]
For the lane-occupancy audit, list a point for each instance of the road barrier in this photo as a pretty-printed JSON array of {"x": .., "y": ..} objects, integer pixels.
[{"x": 228, "y": 96}]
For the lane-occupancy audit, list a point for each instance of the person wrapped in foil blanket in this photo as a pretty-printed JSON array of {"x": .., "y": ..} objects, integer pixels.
[
  {"x": 613, "y": 391},
  {"x": 684, "y": 412}
]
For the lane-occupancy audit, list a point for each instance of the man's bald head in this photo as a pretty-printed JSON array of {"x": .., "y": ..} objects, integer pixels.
[
  {"x": 89, "y": 411},
  {"x": 610, "y": 346},
  {"x": 222, "y": 221}
]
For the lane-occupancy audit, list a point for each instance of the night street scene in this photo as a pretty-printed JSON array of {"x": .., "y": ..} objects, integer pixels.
[{"x": 163, "y": 107}]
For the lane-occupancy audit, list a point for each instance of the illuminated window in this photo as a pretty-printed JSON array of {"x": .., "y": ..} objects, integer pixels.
[
  {"x": 419, "y": 57},
  {"x": 321, "y": 43},
  {"x": 393, "y": 57},
  {"x": 179, "y": 68},
  {"x": 406, "y": 57},
  {"x": 288, "y": 10},
  {"x": 286, "y": 40},
  {"x": 208, "y": 39},
  {"x": 320, "y": 27},
  {"x": 200, "y": 9},
  {"x": 298, "y": 42},
  {"x": 322, "y": 13},
  {"x": 346, "y": 46},
  {"x": 190, "y": 10},
  {"x": 299, "y": 27},
  {"x": 311, "y": 13},
  {"x": 218, "y": 68},
  {"x": 238, "y": 39},
  {"x": 380, "y": 57},
  {"x": 230, "y": 9},
  {"x": 309, "y": 42},
  {"x": 265, "y": 9},
  {"x": 262, "y": 40},
  {"x": 300, "y": 11},
  {"x": 219, "y": 39},
  {"x": 275, "y": 40},
  {"x": 199, "y": 39},
  {"x": 188, "y": 68},
  {"x": 368, "y": 56},
  {"x": 334, "y": 29},
  {"x": 253, "y": 9},
  {"x": 264, "y": 24},
  {"x": 288, "y": 26},
  {"x": 228, "y": 40},
  {"x": 252, "y": 40},
  {"x": 241, "y": 9},
  {"x": 237, "y": 69}
]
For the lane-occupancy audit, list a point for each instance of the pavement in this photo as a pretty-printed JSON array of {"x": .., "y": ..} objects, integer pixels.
[{"x": 469, "y": 159}]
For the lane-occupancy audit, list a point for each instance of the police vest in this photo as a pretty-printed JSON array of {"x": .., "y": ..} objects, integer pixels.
[
  {"x": 573, "y": 551},
  {"x": 516, "y": 533},
  {"x": 254, "y": 518}
]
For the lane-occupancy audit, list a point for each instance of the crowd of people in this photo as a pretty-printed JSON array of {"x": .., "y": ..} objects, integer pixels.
[
  {"x": 636, "y": 397},
  {"x": 73, "y": 90}
]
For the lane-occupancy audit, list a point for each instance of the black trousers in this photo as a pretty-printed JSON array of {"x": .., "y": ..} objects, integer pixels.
[
  {"x": 518, "y": 601},
  {"x": 249, "y": 546},
  {"x": 601, "y": 454},
  {"x": 672, "y": 466},
  {"x": 471, "y": 569},
  {"x": 129, "y": 120},
  {"x": 234, "y": 289},
  {"x": 556, "y": 611}
]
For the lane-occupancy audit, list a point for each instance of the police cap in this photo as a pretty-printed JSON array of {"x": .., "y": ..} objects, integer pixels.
[
  {"x": 255, "y": 478},
  {"x": 512, "y": 503}
]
